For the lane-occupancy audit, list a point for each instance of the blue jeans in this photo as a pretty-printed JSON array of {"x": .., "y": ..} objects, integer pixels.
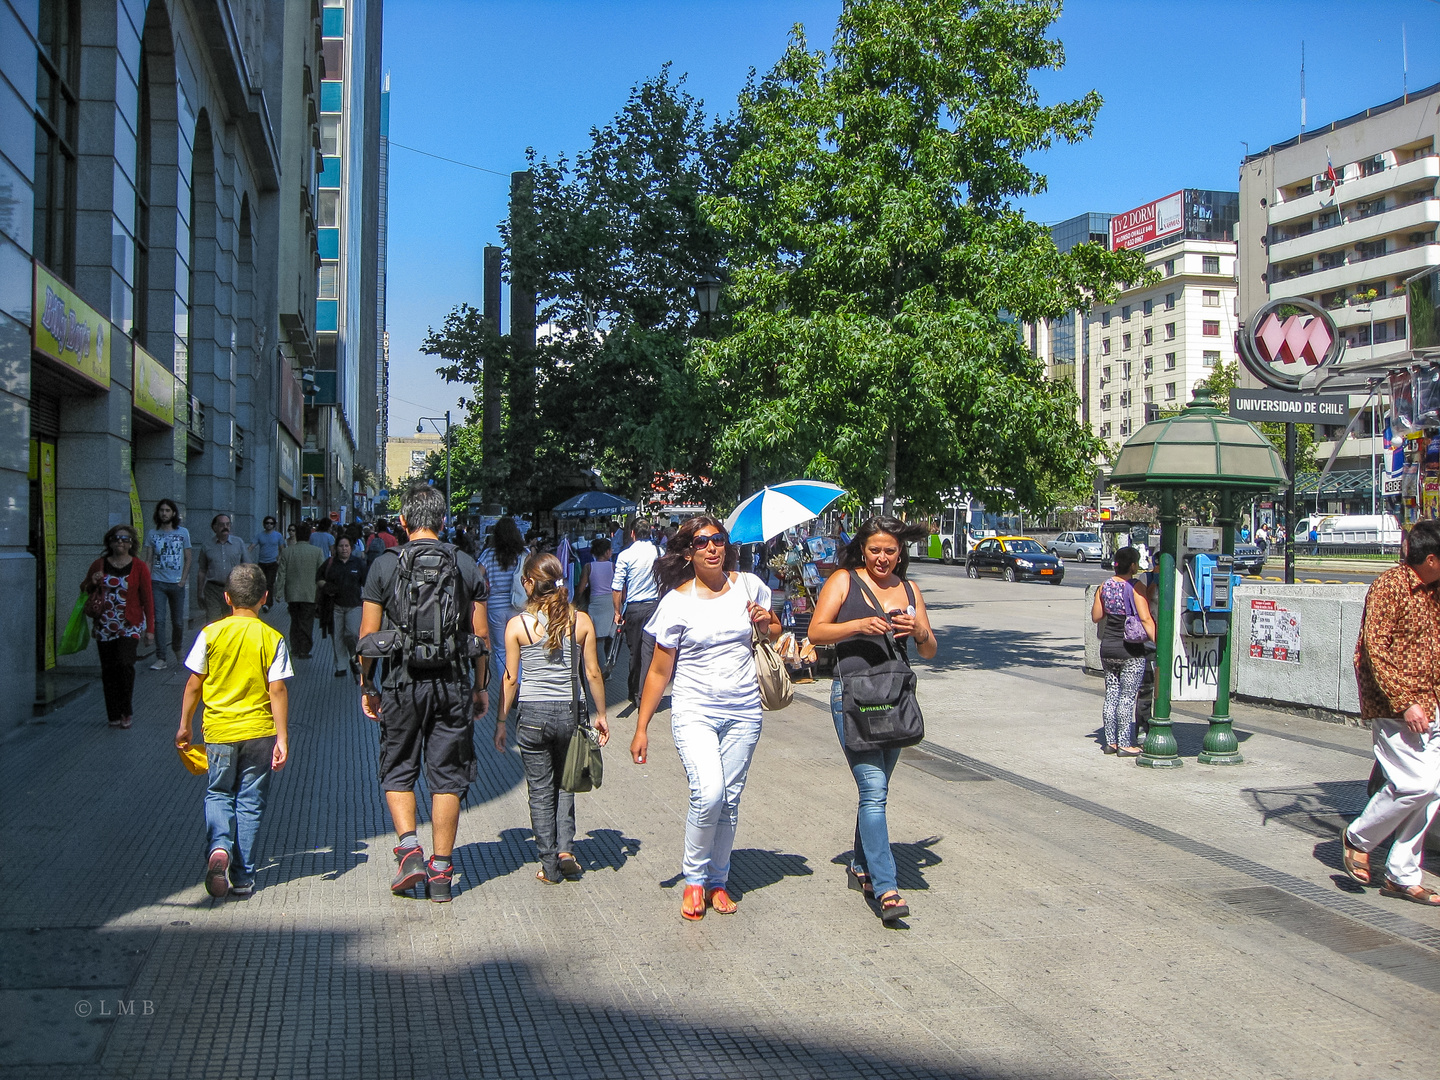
[
  {"x": 235, "y": 799},
  {"x": 716, "y": 753},
  {"x": 169, "y": 595},
  {"x": 871, "y": 770}
]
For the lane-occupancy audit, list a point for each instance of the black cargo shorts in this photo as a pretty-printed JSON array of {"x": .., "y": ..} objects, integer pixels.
[{"x": 429, "y": 719}]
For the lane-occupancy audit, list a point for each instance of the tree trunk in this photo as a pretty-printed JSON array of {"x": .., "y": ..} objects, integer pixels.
[
  {"x": 745, "y": 482},
  {"x": 887, "y": 503}
]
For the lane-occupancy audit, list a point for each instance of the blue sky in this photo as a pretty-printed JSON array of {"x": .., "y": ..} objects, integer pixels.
[{"x": 1184, "y": 83}]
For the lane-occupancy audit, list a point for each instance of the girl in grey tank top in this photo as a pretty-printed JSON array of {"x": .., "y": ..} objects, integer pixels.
[{"x": 544, "y": 674}]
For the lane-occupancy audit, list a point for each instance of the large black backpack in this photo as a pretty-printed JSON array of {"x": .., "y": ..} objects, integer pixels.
[{"x": 430, "y": 608}]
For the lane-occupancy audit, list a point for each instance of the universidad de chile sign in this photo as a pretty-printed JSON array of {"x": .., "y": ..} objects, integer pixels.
[{"x": 1288, "y": 339}]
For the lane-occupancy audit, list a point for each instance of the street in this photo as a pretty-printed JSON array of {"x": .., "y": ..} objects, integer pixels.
[{"x": 1073, "y": 915}]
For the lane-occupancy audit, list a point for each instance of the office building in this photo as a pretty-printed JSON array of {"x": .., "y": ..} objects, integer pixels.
[
  {"x": 405, "y": 457},
  {"x": 1343, "y": 215},
  {"x": 1056, "y": 341}
]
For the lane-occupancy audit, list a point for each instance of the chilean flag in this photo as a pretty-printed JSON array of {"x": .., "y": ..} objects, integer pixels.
[{"x": 1330, "y": 176}]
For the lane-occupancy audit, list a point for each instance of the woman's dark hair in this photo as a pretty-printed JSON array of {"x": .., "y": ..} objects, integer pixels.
[
  {"x": 853, "y": 557},
  {"x": 673, "y": 569},
  {"x": 509, "y": 544},
  {"x": 600, "y": 548},
  {"x": 116, "y": 530},
  {"x": 175, "y": 510},
  {"x": 1126, "y": 559}
]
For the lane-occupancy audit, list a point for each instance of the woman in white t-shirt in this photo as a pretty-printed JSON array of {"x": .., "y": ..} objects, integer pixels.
[{"x": 702, "y": 630}]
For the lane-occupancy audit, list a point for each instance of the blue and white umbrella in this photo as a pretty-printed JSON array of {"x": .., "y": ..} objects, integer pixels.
[{"x": 772, "y": 510}]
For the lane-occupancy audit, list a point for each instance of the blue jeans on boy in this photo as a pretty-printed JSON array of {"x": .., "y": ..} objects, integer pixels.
[
  {"x": 235, "y": 799},
  {"x": 871, "y": 770},
  {"x": 169, "y": 601}
]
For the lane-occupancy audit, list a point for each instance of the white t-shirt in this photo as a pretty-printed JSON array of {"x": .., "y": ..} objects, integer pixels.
[{"x": 714, "y": 664}]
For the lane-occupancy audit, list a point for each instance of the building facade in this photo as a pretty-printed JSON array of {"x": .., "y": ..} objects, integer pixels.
[
  {"x": 160, "y": 164},
  {"x": 1343, "y": 215},
  {"x": 405, "y": 457},
  {"x": 342, "y": 412},
  {"x": 1062, "y": 344}
]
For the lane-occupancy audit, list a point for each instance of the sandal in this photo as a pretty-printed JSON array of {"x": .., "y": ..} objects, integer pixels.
[
  {"x": 692, "y": 904},
  {"x": 540, "y": 877},
  {"x": 1358, "y": 870},
  {"x": 893, "y": 908},
  {"x": 569, "y": 867},
  {"x": 1129, "y": 751},
  {"x": 720, "y": 900},
  {"x": 859, "y": 880},
  {"x": 1111, "y": 749},
  {"x": 1416, "y": 894}
]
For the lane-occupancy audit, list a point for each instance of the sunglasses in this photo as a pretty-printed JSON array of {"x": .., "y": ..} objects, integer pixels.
[
  {"x": 124, "y": 540},
  {"x": 698, "y": 542}
]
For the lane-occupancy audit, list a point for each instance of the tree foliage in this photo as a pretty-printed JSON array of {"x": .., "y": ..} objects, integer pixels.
[{"x": 879, "y": 262}]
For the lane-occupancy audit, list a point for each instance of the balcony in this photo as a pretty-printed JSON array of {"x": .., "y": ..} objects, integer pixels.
[
  {"x": 1367, "y": 187},
  {"x": 1392, "y": 264},
  {"x": 1398, "y": 219}
]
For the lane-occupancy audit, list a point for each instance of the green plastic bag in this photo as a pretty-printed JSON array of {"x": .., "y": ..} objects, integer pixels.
[{"x": 77, "y": 631}]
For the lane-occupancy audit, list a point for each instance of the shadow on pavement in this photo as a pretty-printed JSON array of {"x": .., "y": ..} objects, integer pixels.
[
  {"x": 910, "y": 861},
  {"x": 754, "y": 868},
  {"x": 989, "y": 650},
  {"x": 1320, "y": 809}
]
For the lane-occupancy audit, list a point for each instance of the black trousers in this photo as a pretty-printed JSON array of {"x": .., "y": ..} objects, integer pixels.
[
  {"x": 641, "y": 644},
  {"x": 302, "y": 628},
  {"x": 271, "y": 569},
  {"x": 117, "y": 676}
]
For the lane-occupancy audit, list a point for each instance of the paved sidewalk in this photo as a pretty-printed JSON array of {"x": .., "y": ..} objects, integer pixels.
[{"x": 1074, "y": 916}]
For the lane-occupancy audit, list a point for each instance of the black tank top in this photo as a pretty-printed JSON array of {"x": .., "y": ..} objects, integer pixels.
[{"x": 860, "y": 652}]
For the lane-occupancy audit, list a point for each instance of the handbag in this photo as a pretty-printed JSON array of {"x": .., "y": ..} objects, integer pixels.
[
  {"x": 1135, "y": 632},
  {"x": 518, "y": 596},
  {"x": 880, "y": 707},
  {"x": 95, "y": 602},
  {"x": 776, "y": 690},
  {"x": 77, "y": 630},
  {"x": 584, "y": 770}
]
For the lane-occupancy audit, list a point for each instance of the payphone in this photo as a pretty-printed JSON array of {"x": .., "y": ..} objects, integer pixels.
[{"x": 1208, "y": 582}]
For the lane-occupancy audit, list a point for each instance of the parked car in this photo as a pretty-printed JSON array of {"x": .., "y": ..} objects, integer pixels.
[
  {"x": 1014, "y": 558},
  {"x": 1249, "y": 559},
  {"x": 1079, "y": 546}
]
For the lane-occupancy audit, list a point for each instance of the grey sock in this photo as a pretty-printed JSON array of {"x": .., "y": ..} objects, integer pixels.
[{"x": 407, "y": 841}]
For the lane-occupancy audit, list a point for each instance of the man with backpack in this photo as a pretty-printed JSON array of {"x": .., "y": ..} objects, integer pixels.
[{"x": 424, "y": 624}]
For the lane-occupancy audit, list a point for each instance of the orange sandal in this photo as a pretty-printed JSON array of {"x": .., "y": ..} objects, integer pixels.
[
  {"x": 692, "y": 905},
  {"x": 720, "y": 900}
]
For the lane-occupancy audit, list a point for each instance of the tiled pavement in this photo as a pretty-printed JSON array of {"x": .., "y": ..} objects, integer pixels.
[{"x": 1074, "y": 916}]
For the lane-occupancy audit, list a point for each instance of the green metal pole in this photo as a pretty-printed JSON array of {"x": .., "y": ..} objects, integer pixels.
[
  {"x": 1160, "y": 751},
  {"x": 1220, "y": 746}
]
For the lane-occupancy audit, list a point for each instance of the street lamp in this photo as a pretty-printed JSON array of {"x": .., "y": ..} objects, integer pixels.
[
  {"x": 420, "y": 430},
  {"x": 707, "y": 295}
]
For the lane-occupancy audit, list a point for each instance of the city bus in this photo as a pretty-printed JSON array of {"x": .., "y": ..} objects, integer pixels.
[{"x": 961, "y": 524}]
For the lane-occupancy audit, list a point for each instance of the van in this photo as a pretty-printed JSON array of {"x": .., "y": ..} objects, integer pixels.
[{"x": 1350, "y": 529}]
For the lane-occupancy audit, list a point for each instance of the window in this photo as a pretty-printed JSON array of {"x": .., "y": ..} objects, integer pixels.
[
  {"x": 1328, "y": 219},
  {"x": 1125, "y": 342},
  {"x": 1169, "y": 361},
  {"x": 1125, "y": 371},
  {"x": 1370, "y": 207},
  {"x": 1169, "y": 301},
  {"x": 329, "y": 284},
  {"x": 1169, "y": 331},
  {"x": 333, "y": 50},
  {"x": 1124, "y": 399},
  {"x": 1210, "y": 298},
  {"x": 1105, "y": 319},
  {"x": 141, "y": 323},
  {"x": 57, "y": 76},
  {"x": 330, "y": 135},
  {"x": 1125, "y": 313},
  {"x": 1169, "y": 267},
  {"x": 1169, "y": 391},
  {"x": 1211, "y": 358},
  {"x": 1370, "y": 249},
  {"x": 1209, "y": 264},
  {"x": 1105, "y": 375},
  {"x": 1149, "y": 365},
  {"x": 1331, "y": 259},
  {"x": 1210, "y": 328},
  {"x": 1124, "y": 427},
  {"x": 1105, "y": 402},
  {"x": 1149, "y": 336},
  {"x": 1149, "y": 394},
  {"x": 1373, "y": 166},
  {"x": 1104, "y": 431},
  {"x": 1105, "y": 347},
  {"x": 1149, "y": 306},
  {"x": 329, "y": 216}
]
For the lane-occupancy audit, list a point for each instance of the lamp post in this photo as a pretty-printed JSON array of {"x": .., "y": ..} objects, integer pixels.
[
  {"x": 420, "y": 430},
  {"x": 707, "y": 301}
]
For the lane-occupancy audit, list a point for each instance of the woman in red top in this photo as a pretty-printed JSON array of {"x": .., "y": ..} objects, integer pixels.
[{"x": 119, "y": 585}]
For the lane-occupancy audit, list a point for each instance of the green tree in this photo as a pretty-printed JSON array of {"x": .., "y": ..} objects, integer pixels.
[
  {"x": 1224, "y": 379},
  {"x": 879, "y": 263}
]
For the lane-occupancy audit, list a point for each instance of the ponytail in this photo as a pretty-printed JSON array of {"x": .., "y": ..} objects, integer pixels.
[{"x": 548, "y": 597}]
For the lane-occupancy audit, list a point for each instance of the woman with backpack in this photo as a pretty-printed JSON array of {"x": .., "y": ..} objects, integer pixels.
[
  {"x": 703, "y": 637},
  {"x": 541, "y": 644},
  {"x": 1122, "y": 650}
]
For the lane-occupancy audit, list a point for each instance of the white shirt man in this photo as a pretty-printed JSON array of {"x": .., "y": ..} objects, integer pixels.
[{"x": 636, "y": 596}]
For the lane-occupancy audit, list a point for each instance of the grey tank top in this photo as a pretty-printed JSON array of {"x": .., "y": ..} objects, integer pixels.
[{"x": 544, "y": 675}]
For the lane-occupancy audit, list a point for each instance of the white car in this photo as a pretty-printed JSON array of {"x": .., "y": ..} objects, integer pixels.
[{"x": 1079, "y": 546}]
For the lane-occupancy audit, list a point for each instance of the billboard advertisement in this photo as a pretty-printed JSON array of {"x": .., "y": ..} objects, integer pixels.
[{"x": 1145, "y": 224}]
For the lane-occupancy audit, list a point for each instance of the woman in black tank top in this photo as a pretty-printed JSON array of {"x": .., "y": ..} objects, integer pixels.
[{"x": 844, "y": 617}]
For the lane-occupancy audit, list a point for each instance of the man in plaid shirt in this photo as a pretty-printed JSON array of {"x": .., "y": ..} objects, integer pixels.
[{"x": 1397, "y": 664}]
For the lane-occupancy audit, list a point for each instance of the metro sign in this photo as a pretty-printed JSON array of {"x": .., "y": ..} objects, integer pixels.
[{"x": 1288, "y": 339}]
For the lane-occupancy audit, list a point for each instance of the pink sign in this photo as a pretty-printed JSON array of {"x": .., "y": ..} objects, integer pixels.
[{"x": 1154, "y": 220}]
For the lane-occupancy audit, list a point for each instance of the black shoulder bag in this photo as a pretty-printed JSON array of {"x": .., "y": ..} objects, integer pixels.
[
  {"x": 583, "y": 769},
  {"x": 881, "y": 711}
]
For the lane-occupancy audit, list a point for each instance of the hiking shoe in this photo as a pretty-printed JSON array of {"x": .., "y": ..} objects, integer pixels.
[
  {"x": 412, "y": 869},
  {"x": 217, "y": 873},
  {"x": 440, "y": 881}
]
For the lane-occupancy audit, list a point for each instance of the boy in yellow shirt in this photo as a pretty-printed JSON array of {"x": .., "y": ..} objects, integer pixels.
[{"x": 238, "y": 665}]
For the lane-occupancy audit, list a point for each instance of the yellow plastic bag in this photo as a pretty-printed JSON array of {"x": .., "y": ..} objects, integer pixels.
[{"x": 195, "y": 759}]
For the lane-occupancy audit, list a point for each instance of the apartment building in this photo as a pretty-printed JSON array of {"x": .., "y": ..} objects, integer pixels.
[{"x": 1344, "y": 215}]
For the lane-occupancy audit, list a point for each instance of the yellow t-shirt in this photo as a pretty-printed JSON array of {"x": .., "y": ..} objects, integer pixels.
[{"x": 240, "y": 657}]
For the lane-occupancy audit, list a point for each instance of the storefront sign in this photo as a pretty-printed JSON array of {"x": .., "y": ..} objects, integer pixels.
[
  {"x": 153, "y": 388},
  {"x": 1282, "y": 406},
  {"x": 289, "y": 465},
  {"x": 292, "y": 402},
  {"x": 1153, "y": 221},
  {"x": 69, "y": 331},
  {"x": 1288, "y": 339},
  {"x": 1274, "y": 632},
  {"x": 137, "y": 516}
]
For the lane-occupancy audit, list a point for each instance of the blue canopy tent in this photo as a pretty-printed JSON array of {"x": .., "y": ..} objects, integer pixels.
[{"x": 594, "y": 504}]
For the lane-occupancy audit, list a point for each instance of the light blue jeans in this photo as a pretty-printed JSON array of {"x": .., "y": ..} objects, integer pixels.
[
  {"x": 716, "y": 753},
  {"x": 239, "y": 781},
  {"x": 871, "y": 770}
]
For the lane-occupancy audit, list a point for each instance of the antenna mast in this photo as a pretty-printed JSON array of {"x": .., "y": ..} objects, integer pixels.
[{"x": 1302, "y": 91}]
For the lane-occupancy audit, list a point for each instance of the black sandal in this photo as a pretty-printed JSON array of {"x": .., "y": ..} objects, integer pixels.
[
  {"x": 859, "y": 881},
  {"x": 893, "y": 908},
  {"x": 569, "y": 866}
]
